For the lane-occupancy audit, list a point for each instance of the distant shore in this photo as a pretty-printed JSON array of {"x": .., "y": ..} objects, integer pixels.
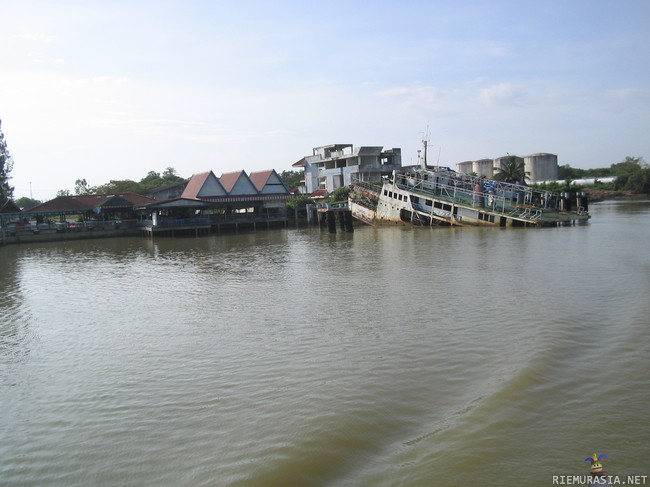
[{"x": 608, "y": 194}]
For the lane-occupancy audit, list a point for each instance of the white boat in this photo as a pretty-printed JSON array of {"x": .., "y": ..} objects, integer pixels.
[{"x": 440, "y": 196}]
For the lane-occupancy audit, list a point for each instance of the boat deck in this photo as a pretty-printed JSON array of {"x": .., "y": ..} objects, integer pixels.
[{"x": 458, "y": 199}]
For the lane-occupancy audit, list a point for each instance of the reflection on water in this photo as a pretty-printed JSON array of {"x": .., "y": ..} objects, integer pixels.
[
  {"x": 390, "y": 356},
  {"x": 14, "y": 331}
]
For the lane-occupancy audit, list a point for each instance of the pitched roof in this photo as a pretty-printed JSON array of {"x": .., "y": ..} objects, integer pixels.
[
  {"x": 202, "y": 185},
  {"x": 229, "y": 179},
  {"x": 195, "y": 184},
  {"x": 9, "y": 207},
  {"x": 260, "y": 178},
  {"x": 300, "y": 163},
  {"x": 168, "y": 187},
  {"x": 319, "y": 193},
  {"x": 268, "y": 182},
  {"x": 89, "y": 201},
  {"x": 165, "y": 187},
  {"x": 238, "y": 183}
]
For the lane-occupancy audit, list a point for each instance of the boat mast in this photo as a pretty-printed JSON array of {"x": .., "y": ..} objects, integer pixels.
[{"x": 425, "y": 143}]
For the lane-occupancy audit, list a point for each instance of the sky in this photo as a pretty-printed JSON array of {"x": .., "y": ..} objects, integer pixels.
[{"x": 111, "y": 90}]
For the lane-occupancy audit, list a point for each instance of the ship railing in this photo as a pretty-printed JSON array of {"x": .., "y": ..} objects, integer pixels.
[
  {"x": 456, "y": 194},
  {"x": 375, "y": 187},
  {"x": 459, "y": 187},
  {"x": 332, "y": 206}
]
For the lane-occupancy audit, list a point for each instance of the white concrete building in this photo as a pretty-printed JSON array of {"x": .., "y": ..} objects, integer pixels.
[{"x": 333, "y": 166}]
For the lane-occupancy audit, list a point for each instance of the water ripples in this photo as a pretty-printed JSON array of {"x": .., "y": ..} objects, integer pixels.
[{"x": 392, "y": 356}]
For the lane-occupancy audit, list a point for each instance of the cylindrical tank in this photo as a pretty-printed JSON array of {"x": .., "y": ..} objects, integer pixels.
[
  {"x": 483, "y": 167},
  {"x": 541, "y": 167},
  {"x": 464, "y": 167},
  {"x": 499, "y": 162}
]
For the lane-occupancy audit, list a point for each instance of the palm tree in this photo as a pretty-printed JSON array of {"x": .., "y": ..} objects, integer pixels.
[{"x": 512, "y": 171}]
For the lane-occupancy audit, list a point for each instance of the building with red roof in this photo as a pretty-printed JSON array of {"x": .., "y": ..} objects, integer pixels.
[{"x": 261, "y": 191}]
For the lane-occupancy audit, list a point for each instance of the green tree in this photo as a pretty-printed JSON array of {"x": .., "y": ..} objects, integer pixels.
[
  {"x": 633, "y": 174},
  {"x": 567, "y": 172},
  {"x": 26, "y": 203},
  {"x": 512, "y": 171},
  {"x": 629, "y": 166},
  {"x": 6, "y": 166},
  {"x": 339, "y": 195},
  {"x": 299, "y": 202},
  {"x": 119, "y": 187},
  {"x": 291, "y": 179},
  {"x": 81, "y": 187},
  {"x": 151, "y": 180},
  {"x": 170, "y": 176},
  {"x": 63, "y": 192},
  {"x": 154, "y": 179}
]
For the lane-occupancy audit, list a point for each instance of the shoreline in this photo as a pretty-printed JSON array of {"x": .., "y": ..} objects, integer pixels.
[{"x": 596, "y": 195}]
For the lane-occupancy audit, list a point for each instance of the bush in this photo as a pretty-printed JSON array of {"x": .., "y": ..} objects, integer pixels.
[
  {"x": 339, "y": 195},
  {"x": 299, "y": 202}
]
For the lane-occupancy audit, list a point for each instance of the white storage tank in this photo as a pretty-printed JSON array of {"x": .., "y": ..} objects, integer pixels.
[
  {"x": 464, "y": 167},
  {"x": 541, "y": 167},
  {"x": 483, "y": 167},
  {"x": 499, "y": 162}
]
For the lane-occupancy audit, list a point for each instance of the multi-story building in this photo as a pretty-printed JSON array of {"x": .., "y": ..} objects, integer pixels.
[{"x": 333, "y": 166}]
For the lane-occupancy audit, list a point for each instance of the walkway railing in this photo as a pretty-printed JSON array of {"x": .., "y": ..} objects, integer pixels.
[{"x": 163, "y": 222}]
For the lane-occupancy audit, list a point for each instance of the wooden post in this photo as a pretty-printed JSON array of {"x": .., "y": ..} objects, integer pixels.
[
  {"x": 347, "y": 218},
  {"x": 331, "y": 221}
]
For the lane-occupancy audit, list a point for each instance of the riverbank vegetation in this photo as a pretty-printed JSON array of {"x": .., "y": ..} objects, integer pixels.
[{"x": 631, "y": 177}]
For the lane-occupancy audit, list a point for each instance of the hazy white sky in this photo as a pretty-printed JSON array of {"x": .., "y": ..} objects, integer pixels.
[{"x": 107, "y": 90}]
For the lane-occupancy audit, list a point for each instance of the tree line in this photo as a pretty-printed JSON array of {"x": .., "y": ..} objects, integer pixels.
[
  {"x": 152, "y": 180},
  {"x": 632, "y": 174}
]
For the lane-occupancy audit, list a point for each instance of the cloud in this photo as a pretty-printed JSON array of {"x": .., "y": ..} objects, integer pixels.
[
  {"x": 420, "y": 98},
  {"x": 629, "y": 95},
  {"x": 41, "y": 38},
  {"x": 502, "y": 94}
]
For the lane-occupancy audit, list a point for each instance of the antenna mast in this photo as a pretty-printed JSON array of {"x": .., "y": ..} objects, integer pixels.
[{"x": 425, "y": 143}]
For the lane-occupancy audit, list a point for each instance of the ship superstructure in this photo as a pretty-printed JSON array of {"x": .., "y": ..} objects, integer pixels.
[{"x": 440, "y": 196}]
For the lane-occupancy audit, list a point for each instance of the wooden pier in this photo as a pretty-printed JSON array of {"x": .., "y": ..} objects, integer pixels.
[
  {"x": 173, "y": 231},
  {"x": 204, "y": 226},
  {"x": 328, "y": 215}
]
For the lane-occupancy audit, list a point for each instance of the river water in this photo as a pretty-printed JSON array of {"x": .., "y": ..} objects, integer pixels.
[{"x": 391, "y": 356}]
